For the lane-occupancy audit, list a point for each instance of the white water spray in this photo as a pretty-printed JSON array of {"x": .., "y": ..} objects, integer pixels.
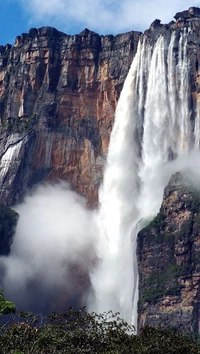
[
  {"x": 117, "y": 216},
  {"x": 152, "y": 126}
]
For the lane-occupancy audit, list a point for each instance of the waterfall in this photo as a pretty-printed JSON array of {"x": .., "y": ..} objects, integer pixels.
[{"x": 152, "y": 126}]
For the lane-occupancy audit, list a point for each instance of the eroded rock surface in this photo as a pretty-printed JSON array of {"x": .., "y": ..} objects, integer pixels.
[
  {"x": 58, "y": 95},
  {"x": 169, "y": 260}
]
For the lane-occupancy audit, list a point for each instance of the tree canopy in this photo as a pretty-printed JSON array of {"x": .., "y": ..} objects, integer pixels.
[
  {"x": 6, "y": 307},
  {"x": 83, "y": 332}
]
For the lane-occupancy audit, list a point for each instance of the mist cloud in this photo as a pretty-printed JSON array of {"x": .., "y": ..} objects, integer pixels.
[
  {"x": 156, "y": 179},
  {"x": 54, "y": 238},
  {"x": 103, "y": 16}
]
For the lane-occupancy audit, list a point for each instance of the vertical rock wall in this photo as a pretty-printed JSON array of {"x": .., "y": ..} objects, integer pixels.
[
  {"x": 168, "y": 260},
  {"x": 58, "y": 95}
]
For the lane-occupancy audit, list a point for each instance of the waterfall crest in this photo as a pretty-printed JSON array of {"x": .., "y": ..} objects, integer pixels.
[{"x": 152, "y": 126}]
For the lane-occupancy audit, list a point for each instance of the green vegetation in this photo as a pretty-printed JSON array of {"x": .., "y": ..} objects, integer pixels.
[
  {"x": 6, "y": 307},
  {"x": 29, "y": 122},
  {"x": 81, "y": 332},
  {"x": 160, "y": 283},
  {"x": 8, "y": 221},
  {"x": 157, "y": 223},
  {"x": 21, "y": 125},
  {"x": 157, "y": 239},
  {"x": 86, "y": 333}
]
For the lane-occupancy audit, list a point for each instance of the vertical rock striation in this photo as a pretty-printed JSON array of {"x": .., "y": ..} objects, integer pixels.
[{"x": 58, "y": 94}]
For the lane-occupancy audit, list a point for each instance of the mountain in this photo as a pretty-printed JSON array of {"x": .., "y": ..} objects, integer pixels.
[{"x": 58, "y": 95}]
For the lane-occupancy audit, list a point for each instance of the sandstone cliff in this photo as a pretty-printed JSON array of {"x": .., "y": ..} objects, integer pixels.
[
  {"x": 58, "y": 94},
  {"x": 168, "y": 256}
]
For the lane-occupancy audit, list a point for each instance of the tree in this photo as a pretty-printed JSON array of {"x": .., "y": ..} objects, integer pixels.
[
  {"x": 81, "y": 332},
  {"x": 6, "y": 307}
]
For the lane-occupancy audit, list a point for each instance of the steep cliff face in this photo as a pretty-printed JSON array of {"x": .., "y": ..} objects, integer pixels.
[
  {"x": 168, "y": 248},
  {"x": 168, "y": 255},
  {"x": 58, "y": 94}
]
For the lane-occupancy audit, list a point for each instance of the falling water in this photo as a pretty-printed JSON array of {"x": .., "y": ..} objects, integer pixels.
[{"x": 152, "y": 126}]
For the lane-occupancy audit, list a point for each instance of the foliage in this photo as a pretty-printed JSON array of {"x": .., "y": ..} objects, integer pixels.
[
  {"x": 8, "y": 220},
  {"x": 6, "y": 306},
  {"x": 162, "y": 340},
  {"x": 82, "y": 332},
  {"x": 21, "y": 124},
  {"x": 157, "y": 223}
]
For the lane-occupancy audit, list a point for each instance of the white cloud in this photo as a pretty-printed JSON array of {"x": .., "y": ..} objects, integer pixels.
[
  {"x": 55, "y": 231},
  {"x": 103, "y": 16}
]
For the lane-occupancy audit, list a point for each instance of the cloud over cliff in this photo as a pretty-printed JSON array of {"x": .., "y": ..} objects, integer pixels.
[{"x": 103, "y": 16}]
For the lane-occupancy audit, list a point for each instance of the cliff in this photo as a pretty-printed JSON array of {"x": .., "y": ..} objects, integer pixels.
[
  {"x": 58, "y": 95},
  {"x": 168, "y": 260}
]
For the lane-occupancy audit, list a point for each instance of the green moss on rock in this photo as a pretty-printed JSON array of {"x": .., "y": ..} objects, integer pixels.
[{"x": 161, "y": 283}]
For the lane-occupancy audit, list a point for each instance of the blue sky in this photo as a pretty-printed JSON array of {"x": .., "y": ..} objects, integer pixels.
[{"x": 72, "y": 16}]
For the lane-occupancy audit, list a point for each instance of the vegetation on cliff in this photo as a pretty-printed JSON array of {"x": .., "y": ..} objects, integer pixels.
[
  {"x": 8, "y": 222},
  {"x": 168, "y": 254}
]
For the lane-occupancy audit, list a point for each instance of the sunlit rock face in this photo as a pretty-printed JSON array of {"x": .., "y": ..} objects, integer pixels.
[
  {"x": 58, "y": 95},
  {"x": 168, "y": 255}
]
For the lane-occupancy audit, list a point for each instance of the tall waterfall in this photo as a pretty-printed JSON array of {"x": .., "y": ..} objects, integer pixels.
[{"x": 152, "y": 126}]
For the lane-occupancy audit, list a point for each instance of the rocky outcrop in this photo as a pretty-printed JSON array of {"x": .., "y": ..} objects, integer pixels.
[
  {"x": 190, "y": 14},
  {"x": 58, "y": 94},
  {"x": 168, "y": 260}
]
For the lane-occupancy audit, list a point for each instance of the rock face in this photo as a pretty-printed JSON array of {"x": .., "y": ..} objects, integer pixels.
[
  {"x": 58, "y": 94},
  {"x": 168, "y": 256},
  {"x": 168, "y": 248},
  {"x": 191, "y": 14},
  {"x": 8, "y": 222}
]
